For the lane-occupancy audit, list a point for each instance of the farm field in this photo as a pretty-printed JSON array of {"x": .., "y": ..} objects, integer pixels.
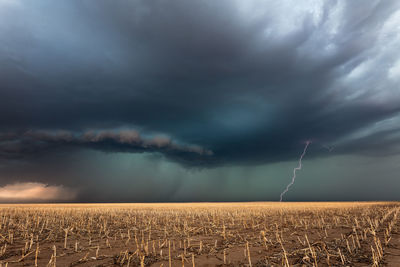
[{"x": 201, "y": 234}]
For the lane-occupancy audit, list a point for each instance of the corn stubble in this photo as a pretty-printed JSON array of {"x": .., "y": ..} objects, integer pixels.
[{"x": 198, "y": 234}]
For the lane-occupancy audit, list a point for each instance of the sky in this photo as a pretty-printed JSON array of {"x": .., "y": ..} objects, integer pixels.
[{"x": 145, "y": 101}]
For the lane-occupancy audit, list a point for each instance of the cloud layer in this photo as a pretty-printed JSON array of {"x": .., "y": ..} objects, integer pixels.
[
  {"x": 25, "y": 144},
  {"x": 31, "y": 191}
]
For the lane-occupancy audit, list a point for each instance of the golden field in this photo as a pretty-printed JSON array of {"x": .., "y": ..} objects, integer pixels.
[{"x": 201, "y": 234}]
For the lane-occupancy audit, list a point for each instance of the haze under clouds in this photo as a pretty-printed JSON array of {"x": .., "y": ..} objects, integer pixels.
[{"x": 201, "y": 100}]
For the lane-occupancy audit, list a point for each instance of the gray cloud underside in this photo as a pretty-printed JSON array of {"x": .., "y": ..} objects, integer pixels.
[
  {"x": 248, "y": 80},
  {"x": 28, "y": 144}
]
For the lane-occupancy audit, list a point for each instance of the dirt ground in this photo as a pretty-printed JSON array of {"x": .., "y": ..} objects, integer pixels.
[{"x": 201, "y": 234}]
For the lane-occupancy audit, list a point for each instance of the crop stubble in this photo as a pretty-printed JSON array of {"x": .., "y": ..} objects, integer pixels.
[{"x": 201, "y": 234}]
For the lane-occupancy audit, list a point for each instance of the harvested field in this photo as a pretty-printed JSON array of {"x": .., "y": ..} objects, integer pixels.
[{"x": 201, "y": 234}]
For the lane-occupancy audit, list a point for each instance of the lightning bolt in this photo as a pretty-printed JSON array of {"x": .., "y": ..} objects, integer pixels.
[{"x": 294, "y": 171}]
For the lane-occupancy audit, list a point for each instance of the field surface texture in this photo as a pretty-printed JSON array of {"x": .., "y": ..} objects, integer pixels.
[{"x": 201, "y": 234}]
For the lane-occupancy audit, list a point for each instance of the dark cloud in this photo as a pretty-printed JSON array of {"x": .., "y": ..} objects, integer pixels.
[
  {"x": 249, "y": 81},
  {"x": 30, "y": 143}
]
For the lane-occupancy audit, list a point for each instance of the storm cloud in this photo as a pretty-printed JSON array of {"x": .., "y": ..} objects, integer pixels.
[
  {"x": 206, "y": 83},
  {"x": 33, "y": 142}
]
